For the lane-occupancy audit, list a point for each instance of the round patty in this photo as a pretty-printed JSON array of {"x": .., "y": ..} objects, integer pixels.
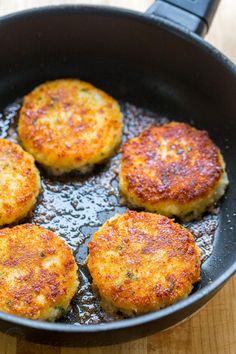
[
  {"x": 38, "y": 273},
  {"x": 174, "y": 170},
  {"x": 141, "y": 262},
  {"x": 69, "y": 125},
  {"x": 19, "y": 182}
]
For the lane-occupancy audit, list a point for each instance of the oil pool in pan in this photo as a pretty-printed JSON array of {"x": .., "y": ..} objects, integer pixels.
[{"x": 74, "y": 207}]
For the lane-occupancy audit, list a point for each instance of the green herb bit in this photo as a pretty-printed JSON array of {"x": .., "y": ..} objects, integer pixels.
[
  {"x": 131, "y": 276},
  {"x": 61, "y": 310},
  {"x": 118, "y": 284}
]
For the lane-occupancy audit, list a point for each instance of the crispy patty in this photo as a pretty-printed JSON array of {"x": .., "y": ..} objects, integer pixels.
[
  {"x": 174, "y": 169},
  {"x": 69, "y": 125},
  {"x": 38, "y": 273},
  {"x": 19, "y": 182},
  {"x": 141, "y": 262}
]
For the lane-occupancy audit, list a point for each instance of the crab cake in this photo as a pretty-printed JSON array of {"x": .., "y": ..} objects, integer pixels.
[
  {"x": 174, "y": 170},
  {"x": 19, "y": 182},
  {"x": 69, "y": 125},
  {"x": 141, "y": 262},
  {"x": 38, "y": 273}
]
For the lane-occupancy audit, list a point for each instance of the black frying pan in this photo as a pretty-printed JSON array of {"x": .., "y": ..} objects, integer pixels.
[{"x": 151, "y": 62}]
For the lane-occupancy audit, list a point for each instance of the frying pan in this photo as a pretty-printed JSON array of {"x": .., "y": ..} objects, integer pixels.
[{"x": 157, "y": 61}]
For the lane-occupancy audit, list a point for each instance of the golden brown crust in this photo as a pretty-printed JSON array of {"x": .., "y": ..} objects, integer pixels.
[
  {"x": 69, "y": 124},
  {"x": 19, "y": 182},
  {"x": 141, "y": 262},
  {"x": 172, "y": 163},
  {"x": 38, "y": 273}
]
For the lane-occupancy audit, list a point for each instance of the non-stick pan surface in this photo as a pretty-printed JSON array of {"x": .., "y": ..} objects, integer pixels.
[{"x": 159, "y": 73}]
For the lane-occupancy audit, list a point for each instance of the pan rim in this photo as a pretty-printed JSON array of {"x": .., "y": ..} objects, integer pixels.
[{"x": 200, "y": 294}]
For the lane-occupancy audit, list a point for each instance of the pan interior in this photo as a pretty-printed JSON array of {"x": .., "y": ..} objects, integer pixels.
[{"x": 74, "y": 206}]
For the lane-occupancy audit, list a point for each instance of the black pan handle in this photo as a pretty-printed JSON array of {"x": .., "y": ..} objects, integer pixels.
[{"x": 196, "y": 15}]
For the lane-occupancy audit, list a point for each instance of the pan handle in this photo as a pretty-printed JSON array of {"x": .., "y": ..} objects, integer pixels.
[{"x": 196, "y": 15}]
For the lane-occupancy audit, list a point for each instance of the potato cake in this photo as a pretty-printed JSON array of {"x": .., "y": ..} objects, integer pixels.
[
  {"x": 174, "y": 170},
  {"x": 38, "y": 273},
  {"x": 69, "y": 125},
  {"x": 141, "y": 262},
  {"x": 19, "y": 182}
]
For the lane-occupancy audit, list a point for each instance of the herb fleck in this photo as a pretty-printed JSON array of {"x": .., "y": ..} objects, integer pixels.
[
  {"x": 131, "y": 275},
  {"x": 61, "y": 310},
  {"x": 118, "y": 283}
]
